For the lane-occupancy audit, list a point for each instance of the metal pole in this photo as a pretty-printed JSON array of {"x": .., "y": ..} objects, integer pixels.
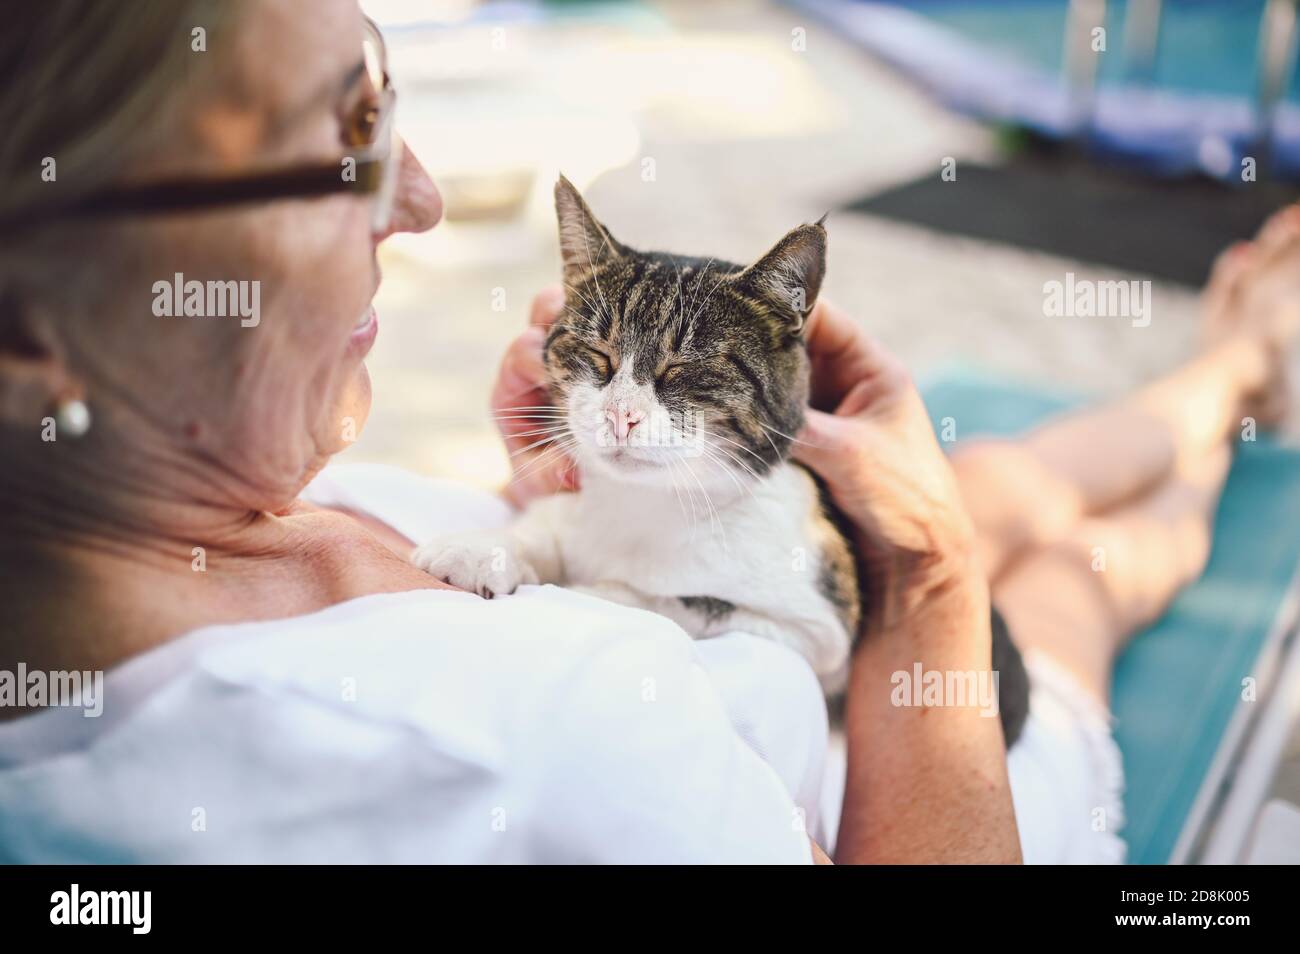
[
  {"x": 1083, "y": 18},
  {"x": 1275, "y": 61},
  {"x": 1142, "y": 38}
]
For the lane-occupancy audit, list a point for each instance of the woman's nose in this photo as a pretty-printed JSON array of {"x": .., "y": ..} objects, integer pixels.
[{"x": 417, "y": 206}]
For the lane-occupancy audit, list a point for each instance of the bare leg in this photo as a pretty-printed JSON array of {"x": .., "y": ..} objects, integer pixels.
[
  {"x": 1121, "y": 500},
  {"x": 1030, "y": 492},
  {"x": 1080, "y": 598}
]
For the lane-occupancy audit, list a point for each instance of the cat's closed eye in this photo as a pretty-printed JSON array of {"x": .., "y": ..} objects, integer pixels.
[
  {"x": 603, "y": 365},
  {"x": 669, "y": 374}
]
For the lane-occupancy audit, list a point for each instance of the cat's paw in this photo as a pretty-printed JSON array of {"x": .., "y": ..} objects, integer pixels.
[{"x": 486, "y": 565}]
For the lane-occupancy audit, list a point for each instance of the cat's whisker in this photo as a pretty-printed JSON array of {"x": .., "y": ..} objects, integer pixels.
[
  {"x": 595, "y": 276},
  {"x": 723, "y": 437},
  {"x": 672, "y": 476},
  {"x": 544, "y": 459},
  {"x": 531, "y": 409},
  {"x": 559, "y": 441},
  {"x": 771, "y": 443},
  {"x": 704, "y": 303},
  {"x": 527, "y": 419},
  {"x": 740, "y": 463},
  {"x": 534, "y": 416},
  {"x": 549, "y": 438},
  {"x": 785, "y": 435},
  {"x": 699, "y": 282},
  {"x": 695, "y": 520},
  {"x": 681, "y": 298},
  {"x": 747, "y": 485},
  {"x": 690, "y": 494},
  {"x": 590, "y": 304},
  {"x": 554, "y": 430},
  {"x": 715, "y": 520},
  {"x": 478, "y": 418},
  {"x": 728, "y": 471},
  {"x": 539, "y": 415}
]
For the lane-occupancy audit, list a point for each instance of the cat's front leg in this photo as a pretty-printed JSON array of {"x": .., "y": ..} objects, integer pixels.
[
  {"x": 485, "y": 562},
  {"x": 497, "y": 562}
]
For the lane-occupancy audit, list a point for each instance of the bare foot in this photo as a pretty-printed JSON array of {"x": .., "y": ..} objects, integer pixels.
[{"x": 1254, "y": 295}]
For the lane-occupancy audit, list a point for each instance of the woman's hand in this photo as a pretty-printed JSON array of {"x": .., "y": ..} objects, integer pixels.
[
  {"x": 928, "y": 608},
  {"x": 878, "y": 454},
  {"x": 519, "y": 399}
]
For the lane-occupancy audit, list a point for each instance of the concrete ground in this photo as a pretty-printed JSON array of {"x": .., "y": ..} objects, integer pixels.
[{"x": 700, "y": 128}]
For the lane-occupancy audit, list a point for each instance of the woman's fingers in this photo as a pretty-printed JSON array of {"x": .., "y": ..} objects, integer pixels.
[
  {"x": 843, "y": 355},
  {"x": 831, "y": 445},
  {"x": 547, "y": 306},
  {"x": 522, "y": 370},
  {"x": 519, "y": 393}
]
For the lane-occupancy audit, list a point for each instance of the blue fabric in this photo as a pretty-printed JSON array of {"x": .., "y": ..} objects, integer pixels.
[
  {"x": 1179, "y": 682},
  {"x": 1001, "y": 61}
]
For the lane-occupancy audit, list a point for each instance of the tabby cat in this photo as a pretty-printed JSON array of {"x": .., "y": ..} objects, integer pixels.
[{"x": 678, "y": 384}]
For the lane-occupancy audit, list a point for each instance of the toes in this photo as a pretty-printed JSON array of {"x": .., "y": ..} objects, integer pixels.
[
  {"x": 1225, "y": 278},
  {"x": 1230, "y": 263},
  {"x": 1281, "y": 226}
]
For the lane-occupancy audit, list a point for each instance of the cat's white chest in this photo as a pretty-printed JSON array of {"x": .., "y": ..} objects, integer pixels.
[
  {"x": 756, "y": 551},
  {"x": 749, "y": 562},
  {"x": 649, "y": 541},
  {"x": 747, "y": 545}
]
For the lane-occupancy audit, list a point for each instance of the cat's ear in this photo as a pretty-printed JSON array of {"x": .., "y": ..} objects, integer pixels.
[
  {"x": 789, "y": 277},
  {"x": 585, "y": 244}
]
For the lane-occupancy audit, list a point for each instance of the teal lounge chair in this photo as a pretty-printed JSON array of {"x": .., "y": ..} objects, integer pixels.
[{"x": 1204, "y": 699}]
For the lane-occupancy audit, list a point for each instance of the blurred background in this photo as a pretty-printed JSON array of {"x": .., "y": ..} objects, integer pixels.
[
  {"x": 968, "y": 151},
  {"x": 713, "y": 127}
]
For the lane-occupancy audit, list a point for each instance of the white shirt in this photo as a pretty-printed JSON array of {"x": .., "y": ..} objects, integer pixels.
[
  {"x": 428, "y": 726},
  {"x": 433, "y": 725}
]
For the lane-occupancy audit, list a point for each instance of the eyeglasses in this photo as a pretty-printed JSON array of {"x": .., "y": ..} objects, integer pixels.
[{"x": 370, "y": 170}]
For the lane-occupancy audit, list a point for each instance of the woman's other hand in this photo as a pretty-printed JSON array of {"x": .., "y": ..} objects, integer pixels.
[
  {"x": 519, "y": 407},
  {"x": 878, "y": 454},
  {"x": 927, "y": 607}
]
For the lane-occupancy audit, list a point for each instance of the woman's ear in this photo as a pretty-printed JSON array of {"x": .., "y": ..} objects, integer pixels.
[
  {"x": 33, "y": 378},
  {"x": 585, "y": 244},
  {"x": 789, "y": 277}
]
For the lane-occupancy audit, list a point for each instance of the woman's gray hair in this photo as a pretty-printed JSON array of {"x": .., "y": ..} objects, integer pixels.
[{"x": 89, "y": 88}]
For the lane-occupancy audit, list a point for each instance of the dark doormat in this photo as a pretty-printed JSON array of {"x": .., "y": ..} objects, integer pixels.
[{"x": 1056, "y": 201}]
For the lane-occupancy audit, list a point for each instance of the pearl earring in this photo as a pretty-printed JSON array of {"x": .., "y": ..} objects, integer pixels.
[{"x": 71, "y": 417}]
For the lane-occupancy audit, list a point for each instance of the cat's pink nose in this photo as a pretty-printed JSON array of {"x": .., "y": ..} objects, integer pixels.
[{"x": 622, "y": 419}]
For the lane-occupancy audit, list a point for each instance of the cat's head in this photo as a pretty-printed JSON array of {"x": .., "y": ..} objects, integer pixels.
[{"x": 676, "y": 370}]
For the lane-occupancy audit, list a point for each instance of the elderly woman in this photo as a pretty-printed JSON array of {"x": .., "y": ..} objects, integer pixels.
[{"x": 282, "y": 683}]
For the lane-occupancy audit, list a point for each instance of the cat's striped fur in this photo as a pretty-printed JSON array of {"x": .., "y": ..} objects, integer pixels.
[{"x": 708, "y": 358}]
